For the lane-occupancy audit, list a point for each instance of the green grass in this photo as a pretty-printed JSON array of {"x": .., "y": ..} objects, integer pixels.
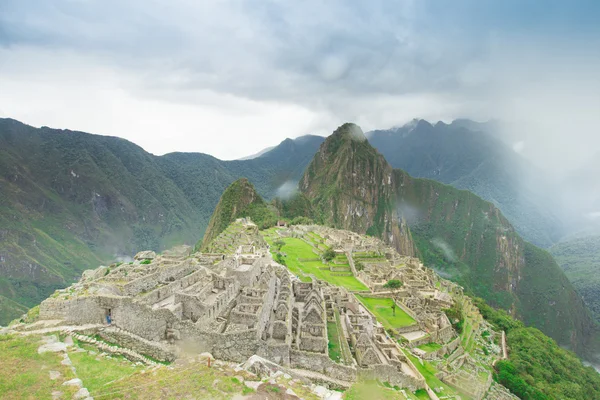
[
  {"x": 428, "y": 371},
  {"x": 97, "y": 371},
  {"x": 335, "y": 351},
  {"x": 25, "y": 373},
  {"x": 296, "y": 249},
  {"x": 430, "y": 347},
  {"x": 382, "y": 309},
  {"x": 372, "y": 391},
  {"x": 422, "y": 394}
]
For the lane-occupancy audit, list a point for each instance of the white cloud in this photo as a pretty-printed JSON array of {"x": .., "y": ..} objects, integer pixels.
[{"x": 230, "y": 78}]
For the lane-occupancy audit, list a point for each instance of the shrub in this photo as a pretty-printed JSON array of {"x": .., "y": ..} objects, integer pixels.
[{"x": 328, "y": 255}]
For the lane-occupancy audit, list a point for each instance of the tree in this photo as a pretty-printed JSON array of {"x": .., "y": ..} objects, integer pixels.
[
  {"x": 328, "y": 255},
  {"x": 278, "y": 244},
  {"x": 393, "y": 284}
]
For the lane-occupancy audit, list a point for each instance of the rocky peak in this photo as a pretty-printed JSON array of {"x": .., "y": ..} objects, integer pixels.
[
  {"x": 351, "y": 186},
  {"x": 239, "y": 200}
]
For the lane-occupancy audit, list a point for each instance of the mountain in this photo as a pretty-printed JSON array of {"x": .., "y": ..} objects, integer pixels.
[
  {"x": 579, "y": 257},
  {"x": 258, "y": 154},
  {"x": 239, "y": 200},
  {"x": 350, "y": 186},
  {"x": 466, "y": 155},
  {"x": 463, "y": 237},
  {"x": 73, "y": 200}
]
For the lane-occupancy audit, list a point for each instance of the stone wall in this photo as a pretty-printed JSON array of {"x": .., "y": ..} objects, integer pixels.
[
  {"x": 155, "y": 350},
  {"x": 149, "y": 282},
  {"x": 83, "y": 310},
  {"x": 390, "y": 374},
  {"x": 163, "y": 292},
  {"x": 235, "y": 346},
  {"x": 323, "y": 364},
  {"x": 192, "y": 308},
  {"x": 141, "y": 320}
]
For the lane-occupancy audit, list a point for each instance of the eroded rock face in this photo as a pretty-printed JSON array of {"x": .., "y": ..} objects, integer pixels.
[
  {"x": 352, "y": 187},
  {"x": 145, "y": 255}
]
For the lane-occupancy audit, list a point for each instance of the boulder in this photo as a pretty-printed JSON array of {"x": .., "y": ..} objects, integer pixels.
[
  {"x": 74, "y": 382},
  {"x": 82, "y": 393},
  {"x": 52, "y": 347},
  {"x": 54, "y": 375},
  {"x": 260, "y": 366}
]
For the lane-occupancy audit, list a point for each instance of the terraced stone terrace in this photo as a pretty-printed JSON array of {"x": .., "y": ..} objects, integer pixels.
[{"x": 382, "y": 309}]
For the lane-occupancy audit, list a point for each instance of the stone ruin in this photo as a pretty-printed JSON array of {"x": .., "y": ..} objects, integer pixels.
[{"x": 240, "y": 303}]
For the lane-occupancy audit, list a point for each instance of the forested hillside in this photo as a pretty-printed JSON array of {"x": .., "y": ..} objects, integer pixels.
[
  {"x": 579, "y": 257},
  {"x": 71, "y": 201}
]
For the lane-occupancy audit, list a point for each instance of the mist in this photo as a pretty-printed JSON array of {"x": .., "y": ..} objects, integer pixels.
[{"x": 287, "y": 190}]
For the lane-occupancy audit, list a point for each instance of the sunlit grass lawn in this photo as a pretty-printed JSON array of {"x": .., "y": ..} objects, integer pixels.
[
  {"x": 96, "y": 371},
  {"x": 335, "y": 351},
  {"x": 428, "y": 371},
  {"x": 429, "y": 347},
  {"x": 382, "y": 308},
  {"x": 24, "y": 374},
  {"x": 297, "y": 249},
  {"x": 375, "y": 391}
]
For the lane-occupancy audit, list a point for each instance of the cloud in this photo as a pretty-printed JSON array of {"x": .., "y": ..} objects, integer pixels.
[
  {"x": 204, "y": 72},
  {"x": 287, "y": 190},
  {"x": 445, "y": 248}
]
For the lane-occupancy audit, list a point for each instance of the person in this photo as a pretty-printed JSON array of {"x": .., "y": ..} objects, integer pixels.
[{"x": 108, "y": 318}]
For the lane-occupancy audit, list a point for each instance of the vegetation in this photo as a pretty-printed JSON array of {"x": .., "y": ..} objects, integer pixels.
[
  {"x": 537, "y": 367},
  {"x": 24, "y": 372},
  {"x": 239, "y": 200},
  {"x": 428, "y": 370},
  {"x": 579, "y": 258},
  {"x": 456, "y": 317},
  {"x": 382, "y": 309},
  {"x": 430, "y": 347},
  {"x": 373, "y": 391},
  {"x": 393, "y": 284},
  {"x": 328, "y": 255},
  {"x": 334, "y": 347},
  {"x": 294, "y": 253},
  {"x": 71, "y": 201}
]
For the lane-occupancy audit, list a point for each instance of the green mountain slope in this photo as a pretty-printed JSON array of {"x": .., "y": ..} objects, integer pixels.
[
  {"x": 239, "y": 200},
  {"x": 537, "y": 368},
  {"x": 71, "y": 200},
  {"x": 460, "y": 235},
  {"x": 465, "y": 157},
  {"x": 580, "y": 259}
]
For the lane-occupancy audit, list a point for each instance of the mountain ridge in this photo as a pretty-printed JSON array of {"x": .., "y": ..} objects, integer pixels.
[{"x": 72, "y": 200}]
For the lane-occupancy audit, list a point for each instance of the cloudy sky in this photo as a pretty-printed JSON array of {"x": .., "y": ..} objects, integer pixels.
[{"x": 231, "y": 77}]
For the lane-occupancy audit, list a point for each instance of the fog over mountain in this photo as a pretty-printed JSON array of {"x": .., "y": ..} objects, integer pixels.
[{"x": 231, "y": 78}]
